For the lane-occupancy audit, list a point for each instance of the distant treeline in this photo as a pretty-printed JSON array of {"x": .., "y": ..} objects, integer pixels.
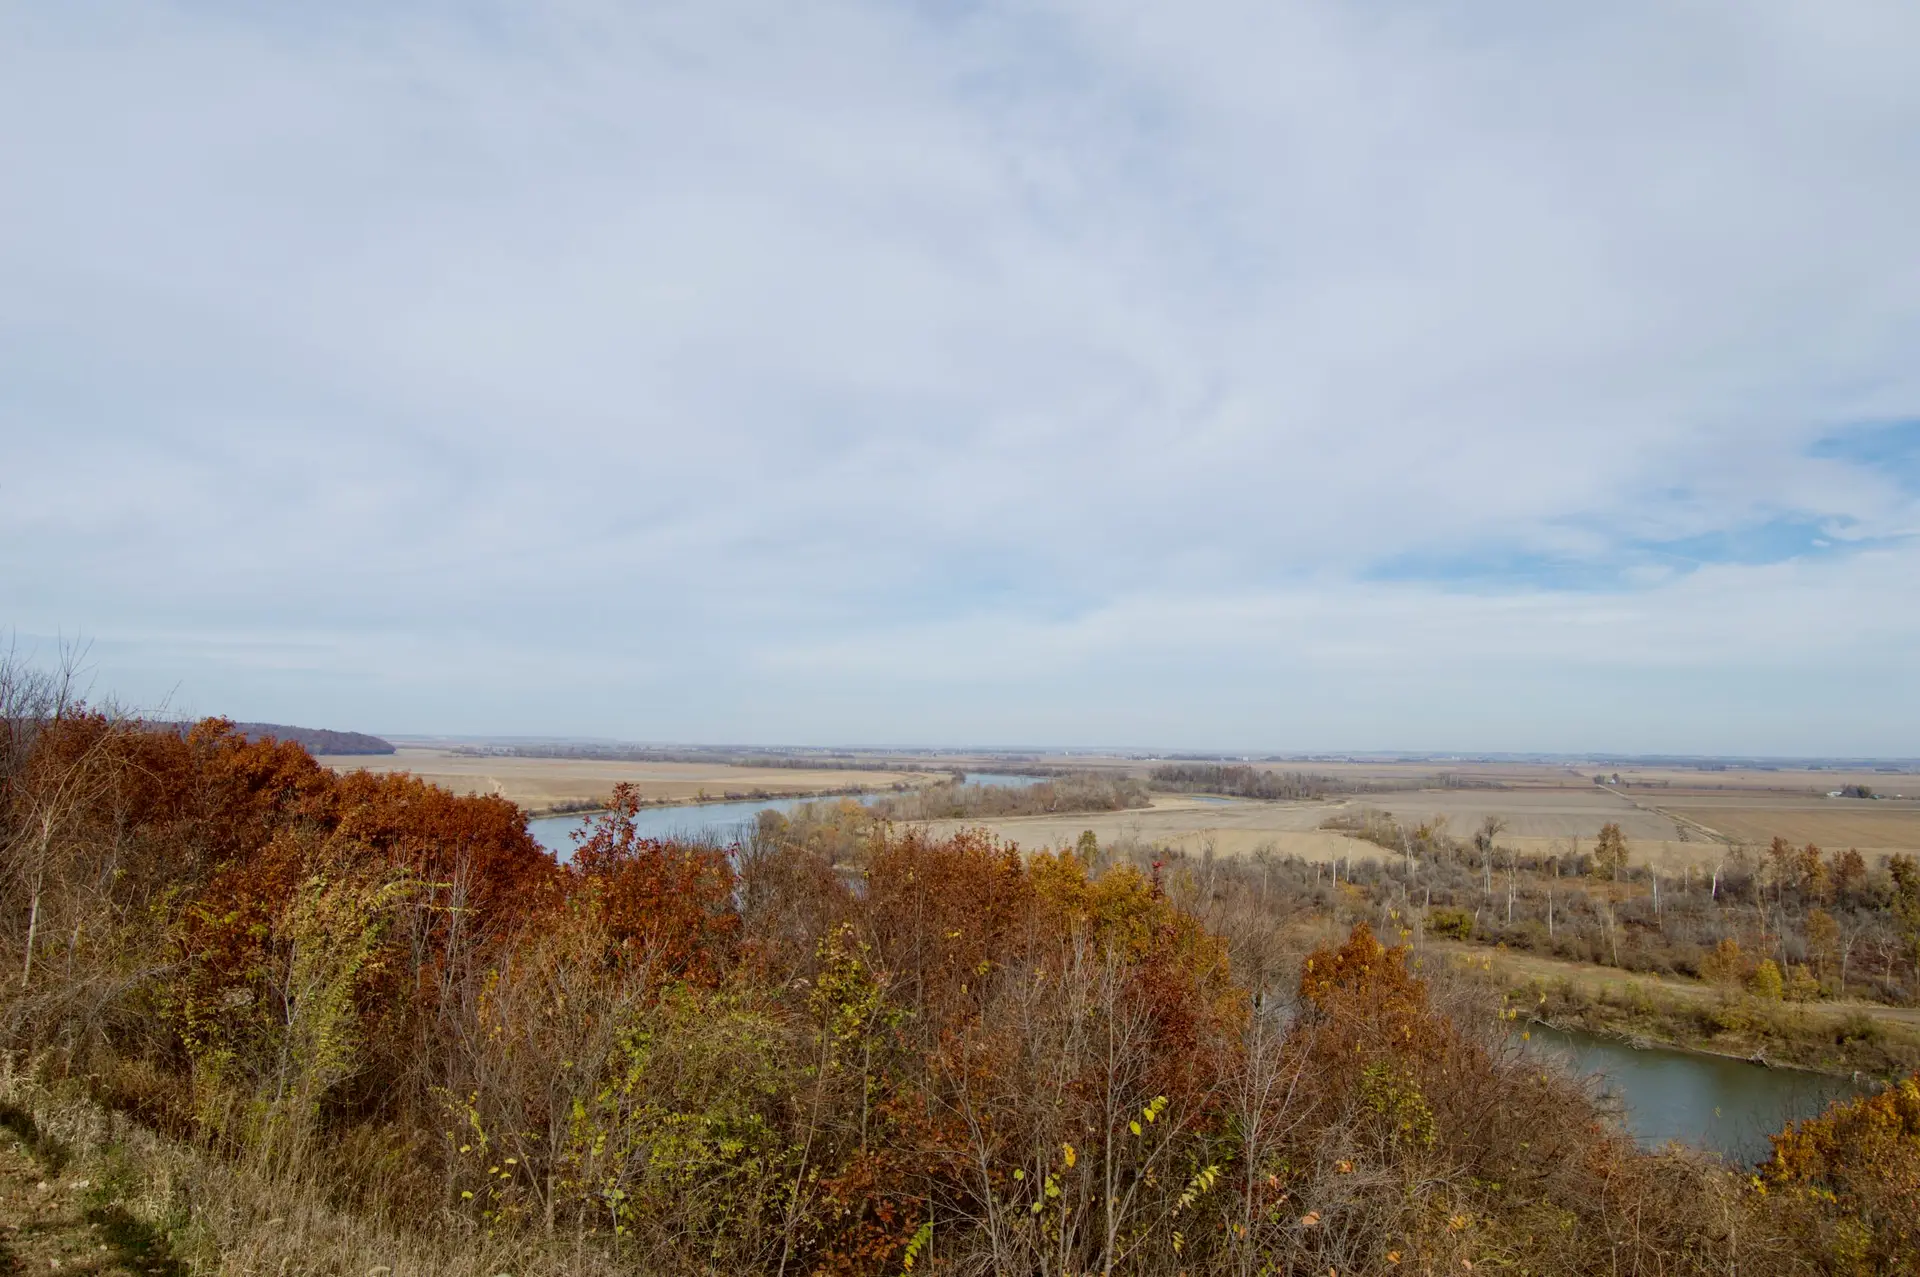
[
  {"x": 796, "y": 760},
  {"x": 1239, "y": 782},
  {"x": 1077, "y": 792},
  {"x": 315, "y": 740}
]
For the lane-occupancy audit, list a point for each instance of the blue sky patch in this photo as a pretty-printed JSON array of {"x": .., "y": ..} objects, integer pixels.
[
  {"x": 1633, "y": 563},
  {"x": 1891, "y": 447}
]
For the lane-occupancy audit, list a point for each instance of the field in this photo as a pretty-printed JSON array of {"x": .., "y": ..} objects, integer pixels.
[
  {"x": 1786, "y": 781},
  {"x": 1544, "y": 809},
  {"x": 1535, "y": 818},
  {"x": 1549, "y": 814},
  {"x": 545, "y": 784},
  {"x": 1882, "y": 826},
  {"x": 1229, "y": 828}
]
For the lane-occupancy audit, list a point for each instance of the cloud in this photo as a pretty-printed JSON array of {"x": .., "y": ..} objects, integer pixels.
[{"x": 518, "y": 367}]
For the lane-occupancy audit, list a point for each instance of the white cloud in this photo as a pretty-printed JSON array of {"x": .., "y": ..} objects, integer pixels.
[{"x": 733, "y": 346}]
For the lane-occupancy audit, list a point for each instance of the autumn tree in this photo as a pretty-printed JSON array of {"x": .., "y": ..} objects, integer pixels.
[
  {"x": 668, "y": 908},
  {"x": 1906, "y": 913},
  {"x": 1610, "y": 852},
  {"x": 1810, "y": 876},
  {"x": 1849, "y": 873},
  {"x": 1823, "y": 943},
  {"x": 1724, "y": 965},
  {"x": 1783, "y": 863}
]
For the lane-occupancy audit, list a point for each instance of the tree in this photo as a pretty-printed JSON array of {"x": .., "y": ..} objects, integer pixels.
[
  {"x": 1783, "y": 860},
  {"x": 1906, "y": 912},
  {"x": 1849, "y": 872},
  {"x": 1725, "y": 965},
  {"x": 667, "y": 907},
  {"x": 1811, "y": 874},
  {"x": 1766, "y": 982},
  {"x": 1823, "y": 942},
  {"x": 1087, "y": 848},
  {"x": 1610, "y": 852},
  {"x": 1483, "y": 842}
]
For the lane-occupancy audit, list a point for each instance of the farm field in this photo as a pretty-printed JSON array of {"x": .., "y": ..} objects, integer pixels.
[
  {"x": 1408, "y": 774},
  {"x": 1539, "y": 821},
  {"x": 1229, "y": 827},
  {"x": 544, "y": 784},
  {"x": 1871, "y": 826},
  {"x": 1529, "y": 813},
  {"x": 1789, "y": 781}
]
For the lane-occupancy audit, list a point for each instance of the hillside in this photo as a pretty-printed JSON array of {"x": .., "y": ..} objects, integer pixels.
[{"x": 318, "y": 740}]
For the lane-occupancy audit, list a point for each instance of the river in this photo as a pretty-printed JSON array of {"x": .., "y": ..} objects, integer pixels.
[
  {"x": 722, "y": 821},
  {"x": 1722, "y": 1105}
]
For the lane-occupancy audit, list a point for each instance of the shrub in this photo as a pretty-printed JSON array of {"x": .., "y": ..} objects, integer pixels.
[
  {"x": 1858, "y": 1026},
  {"x": 1850, "y": 1178},
  {"x": 1724, "y": 965}
]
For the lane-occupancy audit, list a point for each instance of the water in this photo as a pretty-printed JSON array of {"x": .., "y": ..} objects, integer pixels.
[
  {"x": 1003, "y": 780},
  {"x": 1725, "y": 1106},
  {"x": 722, "y": 821}
]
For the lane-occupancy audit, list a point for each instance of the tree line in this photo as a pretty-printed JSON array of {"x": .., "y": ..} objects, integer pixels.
[
  {"x": 1238, "y": 781},
  {"x": 957, "y": 800}
]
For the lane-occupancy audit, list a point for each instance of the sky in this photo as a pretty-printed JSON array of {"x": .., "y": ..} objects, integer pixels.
[{"x": 1277, "y": 375}]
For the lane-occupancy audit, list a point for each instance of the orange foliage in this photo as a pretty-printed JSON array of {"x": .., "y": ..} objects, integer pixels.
[
  {"x": 1366, "y": 998},
  {"x": 940, "y": 914},
  {"x": 666, "y": 906},
  {"x": 1861, "y": 1159}
]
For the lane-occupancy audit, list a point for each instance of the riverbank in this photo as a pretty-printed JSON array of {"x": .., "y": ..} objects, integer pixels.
[
  {"x": 1838, "y": 1039},
  {"x": 1641, "y": 1042},
  {"x": 1778, "y": 1034}
]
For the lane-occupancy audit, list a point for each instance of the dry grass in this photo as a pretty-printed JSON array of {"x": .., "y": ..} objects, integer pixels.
[{"x": 111, "y": 1196}]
